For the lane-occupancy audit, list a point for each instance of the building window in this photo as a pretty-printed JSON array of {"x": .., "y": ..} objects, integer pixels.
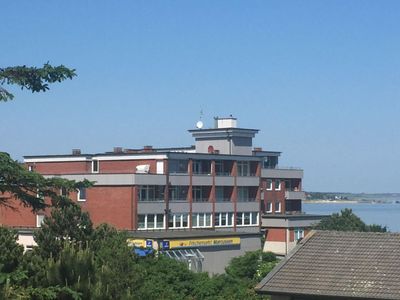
[
  {"x": 243, "y": 193},
  {"x": 81, "y": 194},
  {"x": 151, "y": 193},
  {"x": 243, "y": 168},
  {"x": 247, "y": 218},
  {"x": 277, "y": 207},
  {"x": 201, "y": 220},
  {"x": 223, "y": 219},
  {"x": 277, "y": 185},
  {"x": 39, "y": 220},
  {"x": 298, "y": 233},
  {"x": 64, "y": 192},
  {"x": 197, "y": 194},
  {"x": 269, "y": 207},
  {"x": 269, "y": 185},
  {"x": 178, "y": 193},
  {"x": 151, "y": 221},
  {"x": 202, "y": 167},
  {"x": 177, "y": 221},
  {"x": 178, "y": 166},
  {"x": 30, "y": 168},
  {"x": 95, "y": 166},
  {"x": 219, "y": 168}
]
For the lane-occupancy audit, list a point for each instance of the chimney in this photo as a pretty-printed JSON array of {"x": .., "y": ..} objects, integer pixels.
[
  {"x": 147, "y": 148},
  {"x": 118, "y": 150},
  {"x": 76, "y": 151}
]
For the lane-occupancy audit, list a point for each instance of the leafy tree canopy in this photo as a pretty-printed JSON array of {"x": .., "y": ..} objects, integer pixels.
[
  {"x": 32, "y": 78},
  {"x": 346, "y": 220},
  {"x": 31, "y": 188}
]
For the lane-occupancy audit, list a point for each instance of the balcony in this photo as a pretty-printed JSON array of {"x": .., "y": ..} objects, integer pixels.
[
  {"x": 282, "y": 173},
  {"x": 248, "y": 181},
  {"x": 295, "y": 195}
]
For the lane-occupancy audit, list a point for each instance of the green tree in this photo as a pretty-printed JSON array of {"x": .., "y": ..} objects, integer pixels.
[
  {"x": 67, "y": 223},
  {"x": 32, "y": 78},
  {"x": 31, "y": 188},
  {"x": 119, "y": 272},
  {"x": 252, "y": 266},
  {"x": 346, "y": 220}
]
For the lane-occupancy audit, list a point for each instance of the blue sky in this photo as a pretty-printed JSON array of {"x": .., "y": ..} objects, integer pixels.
[{"x": 320, "y": 79}]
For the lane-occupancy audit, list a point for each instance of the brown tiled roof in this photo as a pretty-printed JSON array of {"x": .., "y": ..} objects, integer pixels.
[{"x": 361, "y": 265}]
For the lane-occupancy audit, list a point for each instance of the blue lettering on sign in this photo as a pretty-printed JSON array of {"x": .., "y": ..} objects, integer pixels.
[
  {"x": 165, "y": 245},
  {"x": 149, "y": 244}
]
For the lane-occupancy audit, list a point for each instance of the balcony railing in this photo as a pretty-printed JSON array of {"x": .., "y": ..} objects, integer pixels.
[
  {"x": 223, "y": 200},
  {"x": 200, "y": 199},
  {"x": 208, "y": 173},
  {"x": 246, "y": 199},
  {"x": 151, "y": 200},
  {"x": 178, "y": 200},
  {"x": 222, "y": 173},
  {"x": 295, "y": 195}
]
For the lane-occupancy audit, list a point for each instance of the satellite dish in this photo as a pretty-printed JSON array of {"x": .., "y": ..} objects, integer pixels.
[{"x": 199, "y": 124}]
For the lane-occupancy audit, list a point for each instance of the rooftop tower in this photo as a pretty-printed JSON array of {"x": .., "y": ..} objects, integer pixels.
[{"x": 224, "y": 138}]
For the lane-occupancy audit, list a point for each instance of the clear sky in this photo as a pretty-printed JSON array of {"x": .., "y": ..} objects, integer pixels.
[{"x": 320, "y": 79}]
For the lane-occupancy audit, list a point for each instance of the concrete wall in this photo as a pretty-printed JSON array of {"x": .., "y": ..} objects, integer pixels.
[
  {"x": 202, "y": 180},
  {"x": 216, "y": 259},
  {"x": 248, "y": 181},
  {"x": 282, "y": 173},
  {"x": 202, "y": 207},
  {"x": 224, "y": 207},
  {"x": 224, "y": 180},
  {"x": 278, "y": 248}
]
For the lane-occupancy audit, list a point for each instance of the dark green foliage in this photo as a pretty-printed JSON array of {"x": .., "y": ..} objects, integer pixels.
[
  {"x": 119, "y": 268},
  {"x": 32, "y": 78},
  {"x": 252, "y": 266},
  {"x": 346, "y": 220},
  {"x": 74, "y": 269},
  {"x": 31, "y": 188},
  {"x": 67, "y": 223},
  {"x": 164, "y": 278},
  {"x": 74, "y": 261},
  {"x": 10, "y": 251}
]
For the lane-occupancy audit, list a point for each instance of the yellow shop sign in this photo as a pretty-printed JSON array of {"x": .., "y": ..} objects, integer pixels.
[
  {"x": 137, "y": 242},
  {"x": 204, "y": 242}
]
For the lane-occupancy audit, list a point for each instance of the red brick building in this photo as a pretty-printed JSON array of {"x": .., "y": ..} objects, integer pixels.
[{"x": 222, "y": 184}]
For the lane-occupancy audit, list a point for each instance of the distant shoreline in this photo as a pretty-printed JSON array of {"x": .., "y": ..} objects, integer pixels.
[
  {"x": 334, "y": 201},
  {"x": 324, "y": 201}
]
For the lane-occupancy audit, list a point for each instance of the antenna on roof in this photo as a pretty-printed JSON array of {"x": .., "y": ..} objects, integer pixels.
[{"x": 200, "y": 124}]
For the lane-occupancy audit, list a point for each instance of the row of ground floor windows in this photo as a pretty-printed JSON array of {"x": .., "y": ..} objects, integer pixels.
[{"x": 199, "y": 220}]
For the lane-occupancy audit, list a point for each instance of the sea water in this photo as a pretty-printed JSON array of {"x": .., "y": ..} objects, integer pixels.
[{"x": 385, "y": 214}]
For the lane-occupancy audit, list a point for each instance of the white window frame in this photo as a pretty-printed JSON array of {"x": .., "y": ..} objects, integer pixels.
[
  {"x": 30, "y": 168},
  {"x": 196, "y": 220},
  {"x": 270, "y": 207},
  {"x": 270, "y": 186},
  {"x": 279, "y": 206},
  {"x": 175, "y": 221},
  {"x": 98, "y": 165},
  {"x": 279, "y": 186},
  {"x": 250, "y": 215},
  {"x": 39, "y": 220},
  {"x": 78, "y": 195},
  {"x": 146, "y": 219},
  {"x": 227, "y": 215}
]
